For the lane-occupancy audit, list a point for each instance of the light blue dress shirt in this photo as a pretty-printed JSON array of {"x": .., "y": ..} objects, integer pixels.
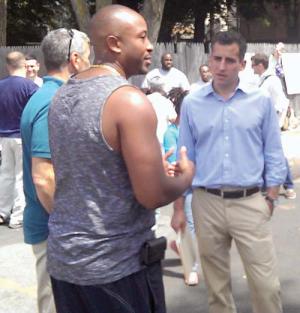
[{"x": 232, "y": 141}]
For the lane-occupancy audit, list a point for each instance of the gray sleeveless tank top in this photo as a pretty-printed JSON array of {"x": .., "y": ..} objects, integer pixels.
[{"x": 97, "y": 227}]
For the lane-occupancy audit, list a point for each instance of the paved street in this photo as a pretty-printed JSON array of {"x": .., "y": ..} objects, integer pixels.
[{"x": 18, "y": 281}]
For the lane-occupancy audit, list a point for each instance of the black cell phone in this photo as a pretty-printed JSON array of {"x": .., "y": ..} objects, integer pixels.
[{"x": 153, "y": 250}]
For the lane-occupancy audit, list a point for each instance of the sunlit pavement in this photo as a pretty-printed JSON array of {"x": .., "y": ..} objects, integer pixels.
[{"x": 18, "y": 280}]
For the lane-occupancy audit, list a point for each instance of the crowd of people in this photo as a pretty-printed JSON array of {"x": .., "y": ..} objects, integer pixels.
[{"x": 96, "y": 156}]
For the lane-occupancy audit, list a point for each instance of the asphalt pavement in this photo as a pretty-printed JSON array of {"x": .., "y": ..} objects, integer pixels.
[{"x": 18, "y": 279}]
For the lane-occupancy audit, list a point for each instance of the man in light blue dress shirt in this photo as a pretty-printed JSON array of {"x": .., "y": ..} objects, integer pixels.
[{"x": 232, "y": 136}]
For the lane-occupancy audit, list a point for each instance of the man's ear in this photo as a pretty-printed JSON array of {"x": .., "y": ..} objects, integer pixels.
[
  {"x": 113, "y": 43},
  {"x": 75, "y": 60}
]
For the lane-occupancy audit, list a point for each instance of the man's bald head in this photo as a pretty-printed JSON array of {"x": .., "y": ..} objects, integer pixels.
[
  {"x": 15, "y": 60},
  {"x": 111, "y": 20},
  {"x": 166, "y": 61},
  {"x": 119, "y": 35}
]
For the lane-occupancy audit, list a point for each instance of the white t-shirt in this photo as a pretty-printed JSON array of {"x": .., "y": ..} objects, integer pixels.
[
  {"x": 198, "y": 84},
  {"x": 38, "y": 81},
  {"x": 164, "y": 110},
  {"x": 272, "y": 85},
  {"x": 172, "y": 78}
]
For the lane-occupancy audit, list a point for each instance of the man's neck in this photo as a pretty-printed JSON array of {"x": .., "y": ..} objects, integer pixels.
[
  {"x": 20, "y": 73},
  {"x": 225, "y": 91},
  {"x": 63, "y": 75},
  {"x": 111, "y": 65},
  {"x": 262, "y": 73}
]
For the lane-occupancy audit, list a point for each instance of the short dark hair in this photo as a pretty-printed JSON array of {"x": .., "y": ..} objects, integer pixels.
[
  {"x": 260, "y": 58},
  {"x": 176, "y": 95},
  {"x": 203, "y": 65},
  {"x": 229, "y": 37},
  {"x": 30, "y": 56}
]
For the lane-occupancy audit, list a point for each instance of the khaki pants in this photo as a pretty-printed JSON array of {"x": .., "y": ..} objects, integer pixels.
[
  {"x": 12, "y": 200},
  {"x": 247, "y": 221},
  {"x": 44, "y": 290}
]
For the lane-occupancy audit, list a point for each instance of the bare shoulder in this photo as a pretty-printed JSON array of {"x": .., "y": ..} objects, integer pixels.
[
  {"x": 127, "y": 112},
  {"x": 131, "y": 95},
  {"x": 129, "y": 100}
]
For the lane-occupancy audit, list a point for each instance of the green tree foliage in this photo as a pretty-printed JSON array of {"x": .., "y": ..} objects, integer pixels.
[
  {"x": 259, "y": 9},
  {"x": 252, "y": 9},
  {"x": 29, "y": 21},
  {"x": 190, "y": 11},
  {"x": 3, "y": 14}
]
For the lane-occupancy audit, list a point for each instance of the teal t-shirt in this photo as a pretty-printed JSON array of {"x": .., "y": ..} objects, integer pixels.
[
  {"x": 170, "y": 141},
  {"x": 35, "y": 141}
]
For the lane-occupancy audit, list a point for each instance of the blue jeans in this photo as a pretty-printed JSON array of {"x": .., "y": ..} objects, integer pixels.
[
  {"x": 288, "y": 184},
  {"x": 141, "y": 292},
  {"x": 188, "y": 213}
]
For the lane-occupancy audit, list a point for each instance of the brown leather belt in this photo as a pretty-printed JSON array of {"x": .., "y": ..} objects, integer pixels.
[{"x": 232, "y": 194}]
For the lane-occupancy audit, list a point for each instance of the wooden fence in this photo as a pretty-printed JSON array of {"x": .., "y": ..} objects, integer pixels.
[{"x": 187, "y": 57}]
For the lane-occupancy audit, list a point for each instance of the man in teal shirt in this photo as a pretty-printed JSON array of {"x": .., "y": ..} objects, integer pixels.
[{"x": 65, "y": 53}]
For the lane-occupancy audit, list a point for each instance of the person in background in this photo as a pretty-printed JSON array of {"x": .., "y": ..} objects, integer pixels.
[
  {"x": 15, "y": 91},
  {"x": 165, "y": 113},
  {"x": 32, "y": 69},
  {"x": 65, "y": 52},
  {"x": 162, "y": 106},
  {"x": 275, "y": 60},
  {"x": 205, "y": 77},
  {"x": 171, "y": 76},
  {"x": 176, "y": 95},
  {"x": 272, "y": 85}
]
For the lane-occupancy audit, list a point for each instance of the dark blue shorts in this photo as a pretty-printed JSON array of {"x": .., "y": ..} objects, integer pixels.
[{"x": 141, "y": 292}]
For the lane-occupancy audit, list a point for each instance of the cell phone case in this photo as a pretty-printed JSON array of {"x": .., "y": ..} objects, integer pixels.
[{"x": 153, "y": 250}]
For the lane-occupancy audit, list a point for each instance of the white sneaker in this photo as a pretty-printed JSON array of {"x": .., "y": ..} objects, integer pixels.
[
  {"x": 290, "y": 193},
  {"x": 193, "y": 279}
]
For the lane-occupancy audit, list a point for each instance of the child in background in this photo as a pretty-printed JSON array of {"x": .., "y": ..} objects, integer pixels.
[{"x": 187, "y": 247}]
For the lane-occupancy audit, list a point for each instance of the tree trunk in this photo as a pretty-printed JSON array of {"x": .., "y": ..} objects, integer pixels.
[
  {"x": 153, "y": 12},
  {"x": 81, "y": 10},
  {"x": 292, "y": 13},
  {"x": 199, "y": 33},
  {"x": 3, "y": 22}
]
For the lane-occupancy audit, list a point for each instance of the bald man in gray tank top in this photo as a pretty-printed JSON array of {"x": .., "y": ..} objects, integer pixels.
[{"x": 110, "y": 177}]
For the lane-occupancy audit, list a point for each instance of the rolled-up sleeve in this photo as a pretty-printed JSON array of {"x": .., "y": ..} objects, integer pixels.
[{"x": 275, "y": 165}]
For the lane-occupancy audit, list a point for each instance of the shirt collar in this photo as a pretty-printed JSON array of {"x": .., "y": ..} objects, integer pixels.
[
  {"x": 59, "y": 82},
  {"x": 208, "y": 89}
]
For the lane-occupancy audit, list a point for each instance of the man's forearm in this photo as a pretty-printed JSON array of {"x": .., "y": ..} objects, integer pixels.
[
  {"x": 44, "y": 181},
  {"x": 45, "y": 193},
  {"x": 179, "y": 204}
]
